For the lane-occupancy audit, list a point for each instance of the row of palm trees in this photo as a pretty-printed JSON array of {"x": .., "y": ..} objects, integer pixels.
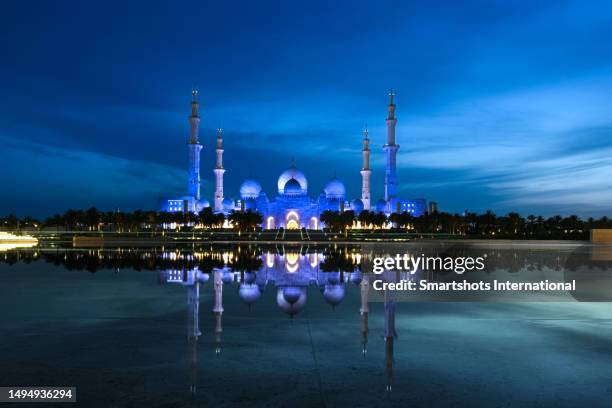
[
  {"x": 488, "y": 224},
  {"x": 94, "y": 220}
]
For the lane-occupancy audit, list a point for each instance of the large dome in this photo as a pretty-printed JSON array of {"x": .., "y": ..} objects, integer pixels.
[
  {"x": 334, "y": 189},
  {"x": 292, "y": 187},
  {"x": 250, "y": 189},
  {"x": 292, "y": 173}
]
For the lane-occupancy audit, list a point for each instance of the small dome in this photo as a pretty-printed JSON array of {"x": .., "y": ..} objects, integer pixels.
[
  {"x": 381, "y": 205},
  {"x": 333, "y": 294},
  {"x": 292, "y": 173},
  {"x": 334, "y": 189},
  {"x": 357, "y": 205},
  {"x": 228, "y": 204},
  {"x": 201, "y": 204},
  {"x": 249, "y": 293},
  {"x": 250, "y": 188},
  {"x": 250, "y": 204},
  {"x": 291, "y": 299},
  {"x": 292, "y": 187}
]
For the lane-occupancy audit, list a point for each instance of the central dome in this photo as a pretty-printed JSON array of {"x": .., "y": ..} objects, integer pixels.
[
  {"x": 335, "y": 189},
  {"x": 250, "y": 188},
  {"x": 292, "y": 173}
]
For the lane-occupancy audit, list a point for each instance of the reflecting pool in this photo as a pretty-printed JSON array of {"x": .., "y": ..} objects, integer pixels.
[{"x": 295, "y": 326}]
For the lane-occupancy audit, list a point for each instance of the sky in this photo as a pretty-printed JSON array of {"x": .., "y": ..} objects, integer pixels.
[{"x": 501, "y": 105}]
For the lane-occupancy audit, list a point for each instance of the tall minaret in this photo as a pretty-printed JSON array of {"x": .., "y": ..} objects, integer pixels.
[
  {"x": 219, "y": 170},
  {"x": 365, "y": 171},
  {"x": 390, "y": 149},
  {"x": 193, "y": 187}
]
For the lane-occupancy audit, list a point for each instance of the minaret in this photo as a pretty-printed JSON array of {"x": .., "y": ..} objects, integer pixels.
[
  {"x": 219, "y": 170},
  {"x": 193, "y": 187},
  {"x": 365, "y": 171},
  {"x": 390, "y": 149}
]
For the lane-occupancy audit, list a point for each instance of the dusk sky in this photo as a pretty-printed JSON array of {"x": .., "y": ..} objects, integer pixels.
[{"x": 500, "y": 105}]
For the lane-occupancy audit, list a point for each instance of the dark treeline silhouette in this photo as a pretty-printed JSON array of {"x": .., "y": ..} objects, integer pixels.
[{"x": 487, "y": 225}]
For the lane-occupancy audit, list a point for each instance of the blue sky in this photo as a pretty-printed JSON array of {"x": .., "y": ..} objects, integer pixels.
[{"x": 500, "y": 105}]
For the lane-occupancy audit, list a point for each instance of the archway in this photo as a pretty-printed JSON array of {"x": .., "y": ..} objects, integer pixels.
[
  {"x": 292, "y": 220},
  {"x": 314, "y": 223},
  {"x": 270, "y": 224}
]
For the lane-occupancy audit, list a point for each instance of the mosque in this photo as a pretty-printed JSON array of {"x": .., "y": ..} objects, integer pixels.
[{"x": 293, "y": 207}]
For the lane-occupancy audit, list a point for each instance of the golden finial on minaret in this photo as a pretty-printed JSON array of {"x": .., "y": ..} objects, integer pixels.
[{"x": 365, "y": 132}]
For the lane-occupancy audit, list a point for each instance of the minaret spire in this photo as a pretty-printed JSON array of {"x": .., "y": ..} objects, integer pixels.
[
  {"x": 193, "y": 185},
  {"x": 390, "y": 149},
  {"x": 219, "y": 171},
  {"x": 365, "y": 171}
]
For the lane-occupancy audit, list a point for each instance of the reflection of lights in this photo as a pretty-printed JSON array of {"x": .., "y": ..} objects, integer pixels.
[
  {"x": 12, "y": 241},
  {"x": 313, "y": 260},
  {"x": 292, "y": 263},
  {"x": 270, "y": 260}
]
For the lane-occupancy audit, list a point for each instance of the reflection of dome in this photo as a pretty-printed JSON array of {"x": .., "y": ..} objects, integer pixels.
[
  {"x": 333, "y": 294},
  {"x": 227, "y": 277},
  {"x": 334, "y": 189},
  {"x": 250, "y": 189},
  {"x": 249, "y": 293},
  {"x": 292, "y": 187},
  {"x": 292, "y": 173},
  {"x": 357, "y": 205},
  {"x": 228, "y": 204},
  {"x": 291, "y": 299},
  {"x": 381, "y": 205},
  {"x": 356, "y": 277}
]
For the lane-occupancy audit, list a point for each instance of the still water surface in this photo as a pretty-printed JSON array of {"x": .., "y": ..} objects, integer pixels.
[{"x": 289, "y": 326}]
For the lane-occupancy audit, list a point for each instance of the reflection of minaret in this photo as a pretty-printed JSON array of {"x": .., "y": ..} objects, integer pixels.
[
  {"x": 364, "y": 310},
  {"x": 390, "y": 335},
  {"x": 219, "y": 170},
  {"x": 193, "y": 331},
  {"x": 365, "y": 171},
  {"x": 218, "y": 310},
  {"x": 193, "y": 187},
  {"x": 390, "y": 149}
]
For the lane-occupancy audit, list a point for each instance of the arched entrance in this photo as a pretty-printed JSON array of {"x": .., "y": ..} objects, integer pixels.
[
  {"x": 292, "y": 221},
  {"x": 314, "y": 223},
  {"x": 270, "y": 223}
]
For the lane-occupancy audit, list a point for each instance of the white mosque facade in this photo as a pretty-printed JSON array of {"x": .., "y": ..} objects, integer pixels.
[{"x": 292, "y": 207}]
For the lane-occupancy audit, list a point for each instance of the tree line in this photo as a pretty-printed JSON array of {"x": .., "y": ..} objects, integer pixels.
[
  {"x": 488, "y": 224},
  {"x": 94, "y": 220}
]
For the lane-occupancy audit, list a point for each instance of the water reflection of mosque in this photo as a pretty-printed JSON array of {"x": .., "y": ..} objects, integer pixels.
[{"x": 290, "y": 273}]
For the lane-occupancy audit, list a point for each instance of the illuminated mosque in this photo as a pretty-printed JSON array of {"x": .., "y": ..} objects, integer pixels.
[{"x": 293, "y": 207}]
